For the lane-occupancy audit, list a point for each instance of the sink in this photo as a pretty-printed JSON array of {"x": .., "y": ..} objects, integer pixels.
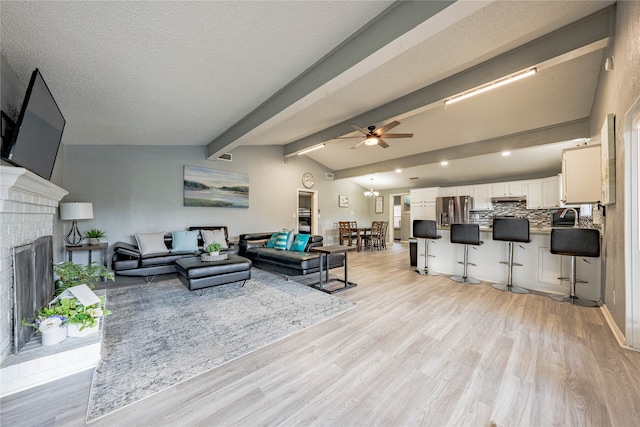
[{"x": 575, "y": 242}]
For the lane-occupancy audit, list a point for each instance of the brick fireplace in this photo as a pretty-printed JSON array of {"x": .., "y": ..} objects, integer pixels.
[{"x": 28, "y": 210}]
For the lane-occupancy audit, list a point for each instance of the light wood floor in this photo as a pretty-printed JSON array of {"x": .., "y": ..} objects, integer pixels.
[{"x": 415, "y": 351}]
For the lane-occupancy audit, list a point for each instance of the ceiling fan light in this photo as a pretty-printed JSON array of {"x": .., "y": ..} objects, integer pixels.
[{"x": 372, "y": 140}]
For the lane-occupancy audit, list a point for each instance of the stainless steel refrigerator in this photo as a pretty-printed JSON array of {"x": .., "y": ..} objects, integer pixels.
[{"x": 453, "y": 210}]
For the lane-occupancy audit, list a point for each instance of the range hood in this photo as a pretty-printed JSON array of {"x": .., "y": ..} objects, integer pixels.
[{"x": 500, "y": 199}]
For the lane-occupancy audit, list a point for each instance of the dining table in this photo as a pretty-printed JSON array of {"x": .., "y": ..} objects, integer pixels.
[{"x": 360, "y": 232}]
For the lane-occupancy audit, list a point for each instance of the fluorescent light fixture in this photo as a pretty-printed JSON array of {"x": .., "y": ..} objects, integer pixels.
[
  {"x": 492, "y": 85},
  {"x": 444, "y": 163},
  {"x": 506, "y": 153},
  {"x": 308, "y": 150},
  {"x": 371, "y": 140}
]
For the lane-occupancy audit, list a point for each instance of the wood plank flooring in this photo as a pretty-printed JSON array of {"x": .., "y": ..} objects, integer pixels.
[{"x": 417, "y": 350}]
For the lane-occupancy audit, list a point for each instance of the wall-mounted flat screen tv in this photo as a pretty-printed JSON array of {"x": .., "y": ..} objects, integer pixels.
[{"x": 33, "y": 144}]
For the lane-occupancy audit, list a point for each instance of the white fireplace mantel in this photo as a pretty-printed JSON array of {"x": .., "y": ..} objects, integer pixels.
[{"x": 20, "y": 179}]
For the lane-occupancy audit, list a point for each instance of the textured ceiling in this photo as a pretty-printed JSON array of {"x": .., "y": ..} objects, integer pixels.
[{"x": 183, "y": 73}]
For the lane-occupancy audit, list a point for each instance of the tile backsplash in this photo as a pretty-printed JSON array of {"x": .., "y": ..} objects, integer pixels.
[{"x": 538, "y": 218}]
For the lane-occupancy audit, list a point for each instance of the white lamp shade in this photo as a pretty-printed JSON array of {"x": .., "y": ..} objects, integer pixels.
[{"x": 75, "y": 210}]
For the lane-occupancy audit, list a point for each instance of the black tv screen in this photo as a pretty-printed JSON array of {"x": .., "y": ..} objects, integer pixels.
[{"x": 36, "y": 136}]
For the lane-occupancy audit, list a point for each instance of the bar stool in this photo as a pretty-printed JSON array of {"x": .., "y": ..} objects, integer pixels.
[
  {"x": 425, "y": 229},
  {"x": 511, "y": 230},
  {"x": 573, "y": 242},
  {"x": 468, "y": 235}
]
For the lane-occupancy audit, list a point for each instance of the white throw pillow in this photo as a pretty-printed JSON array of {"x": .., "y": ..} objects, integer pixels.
[
  {"x": 151, "y": 243},
  {"x": 210, "y": 236}
]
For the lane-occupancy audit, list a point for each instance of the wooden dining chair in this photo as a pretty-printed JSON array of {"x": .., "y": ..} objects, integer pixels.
[
  {"x": 374, "y": 239},
  {"x": 367, "y": 236},
  {"x": 383, "y": 234},
  {"x": 346, "y": 232}
]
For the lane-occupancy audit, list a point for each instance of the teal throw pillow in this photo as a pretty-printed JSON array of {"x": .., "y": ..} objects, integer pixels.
[
  {"x": 281, "y": 240},
  {"x": 300, "y": 242},
  {"x": 272, "y": 241},
  {"x": 184, "y": 241}
]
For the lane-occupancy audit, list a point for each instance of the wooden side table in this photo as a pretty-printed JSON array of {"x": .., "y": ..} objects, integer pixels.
[
  {"x": 102, "y": 247},
  {"x": 325, "y": 252}
]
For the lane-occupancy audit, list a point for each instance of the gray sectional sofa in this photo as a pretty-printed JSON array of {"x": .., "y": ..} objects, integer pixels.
[{"x": 287, "y": 262}]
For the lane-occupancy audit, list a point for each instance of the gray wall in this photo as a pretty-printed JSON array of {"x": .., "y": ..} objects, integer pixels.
[
  {"x": 140, "y": 189},
  {"x": 616, "y": 91}
]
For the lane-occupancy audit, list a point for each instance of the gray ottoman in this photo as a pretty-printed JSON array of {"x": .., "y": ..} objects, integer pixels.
[{"x": 196, "y": 274}]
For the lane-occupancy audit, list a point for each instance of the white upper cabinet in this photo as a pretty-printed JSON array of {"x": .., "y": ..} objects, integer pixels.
[
  {"x": 421, "y": 195},
  {"x": 551, "y": 192},
  {"x": 448, "y": 191},
  {"x": 543, "y": 193},
  {"x": 482, "y": 197},
  {"x": 581, "y": 175},
  {"x": 512, "y": 188},
  {"x": 465, "y": 190},
  {"x": 534, "y": 194}
]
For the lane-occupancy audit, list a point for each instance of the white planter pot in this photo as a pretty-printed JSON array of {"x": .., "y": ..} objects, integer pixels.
[
  {"x": 55, "y": 336},
  {"x": 73, "y": 330},
  {"x": 94, "y": 241}
]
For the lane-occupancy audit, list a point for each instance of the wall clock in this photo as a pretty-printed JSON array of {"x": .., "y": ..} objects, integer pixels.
[{"x": 307, "y": 180}]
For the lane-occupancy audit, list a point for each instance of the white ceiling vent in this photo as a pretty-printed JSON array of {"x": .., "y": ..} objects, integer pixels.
[
  {"x": 226, "y": 157},
  {"x": 328, "y": 175}
]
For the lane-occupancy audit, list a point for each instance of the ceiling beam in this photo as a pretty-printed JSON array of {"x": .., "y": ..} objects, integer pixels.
[
  {"x": 571, "y": 38},
  {"x": 547, "y": 135},
  {"x": 399, "y": 18}
]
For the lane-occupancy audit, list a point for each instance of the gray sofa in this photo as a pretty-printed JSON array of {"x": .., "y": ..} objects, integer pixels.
[
  {"x": 128, "y": 261},
  {"x": 290, "y": 263}
]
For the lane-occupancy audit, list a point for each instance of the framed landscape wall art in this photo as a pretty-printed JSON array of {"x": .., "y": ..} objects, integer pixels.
[
  {"x": 215, "y": 188},
  {"x": 608, "y": 159}
]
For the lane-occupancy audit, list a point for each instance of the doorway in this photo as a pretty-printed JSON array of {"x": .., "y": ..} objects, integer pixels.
[
  {"x": 401, "y": 217},
  {"x": 632, "y": 220},
  {"x": 307, "y": 212}
]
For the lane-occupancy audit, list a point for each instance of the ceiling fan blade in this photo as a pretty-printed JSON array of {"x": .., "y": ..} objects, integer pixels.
[
  {"x": 397, "y": 135},
  {"x": 382, "y": 144},
  {"x": 380, "y": 131},
  {"x": 358, "y": 145},
  {"x": 358, "y": 128}
]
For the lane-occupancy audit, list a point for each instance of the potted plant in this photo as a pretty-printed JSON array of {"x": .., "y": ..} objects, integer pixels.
[
  {"x": 81, "y": 320},
  {"x": 94, "y": 235},
  {"x": 70, "y": 274},
  {"x": 67, "y": 317},
  {"x": 50, "y": 324},
  {"x": 212, "y": 251}
]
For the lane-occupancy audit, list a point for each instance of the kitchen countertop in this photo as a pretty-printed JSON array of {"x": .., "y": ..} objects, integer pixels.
[{"x": 532, "y": 230}]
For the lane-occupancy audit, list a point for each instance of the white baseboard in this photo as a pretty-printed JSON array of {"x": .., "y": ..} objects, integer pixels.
[{"x": 617, "y": 333}]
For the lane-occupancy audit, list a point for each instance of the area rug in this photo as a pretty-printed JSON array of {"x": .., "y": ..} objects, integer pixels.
[{"x": 162, "y": 334}]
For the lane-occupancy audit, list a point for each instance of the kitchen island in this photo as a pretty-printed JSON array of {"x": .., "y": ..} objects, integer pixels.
[{"x": 540, "y": 271}]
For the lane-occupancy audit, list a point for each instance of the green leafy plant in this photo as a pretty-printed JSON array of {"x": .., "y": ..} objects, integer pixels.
[
  {"x": 95, "y": 233},
  {"x": 70, "y": 311},
  {"x": 70, "y": 274},
  {"x": 213, "y": 247}
]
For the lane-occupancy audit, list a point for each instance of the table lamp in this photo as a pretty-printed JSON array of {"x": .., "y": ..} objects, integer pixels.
[{"x": 73, "y": 212}]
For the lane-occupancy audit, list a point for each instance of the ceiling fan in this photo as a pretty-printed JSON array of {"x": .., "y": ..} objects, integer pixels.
[{"x": 373, "y": 136}]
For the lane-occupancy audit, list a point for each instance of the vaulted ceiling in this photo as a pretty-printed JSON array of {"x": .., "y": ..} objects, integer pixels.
[{"x": 298, "y": 73}]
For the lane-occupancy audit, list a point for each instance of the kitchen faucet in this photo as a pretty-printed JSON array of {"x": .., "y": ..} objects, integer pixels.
[{"x": 575, "y": 212}]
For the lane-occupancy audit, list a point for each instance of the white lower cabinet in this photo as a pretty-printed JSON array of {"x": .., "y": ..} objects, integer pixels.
[
  {"x": 555, "y": 270},
  {"x": 540, "y": 270}
]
